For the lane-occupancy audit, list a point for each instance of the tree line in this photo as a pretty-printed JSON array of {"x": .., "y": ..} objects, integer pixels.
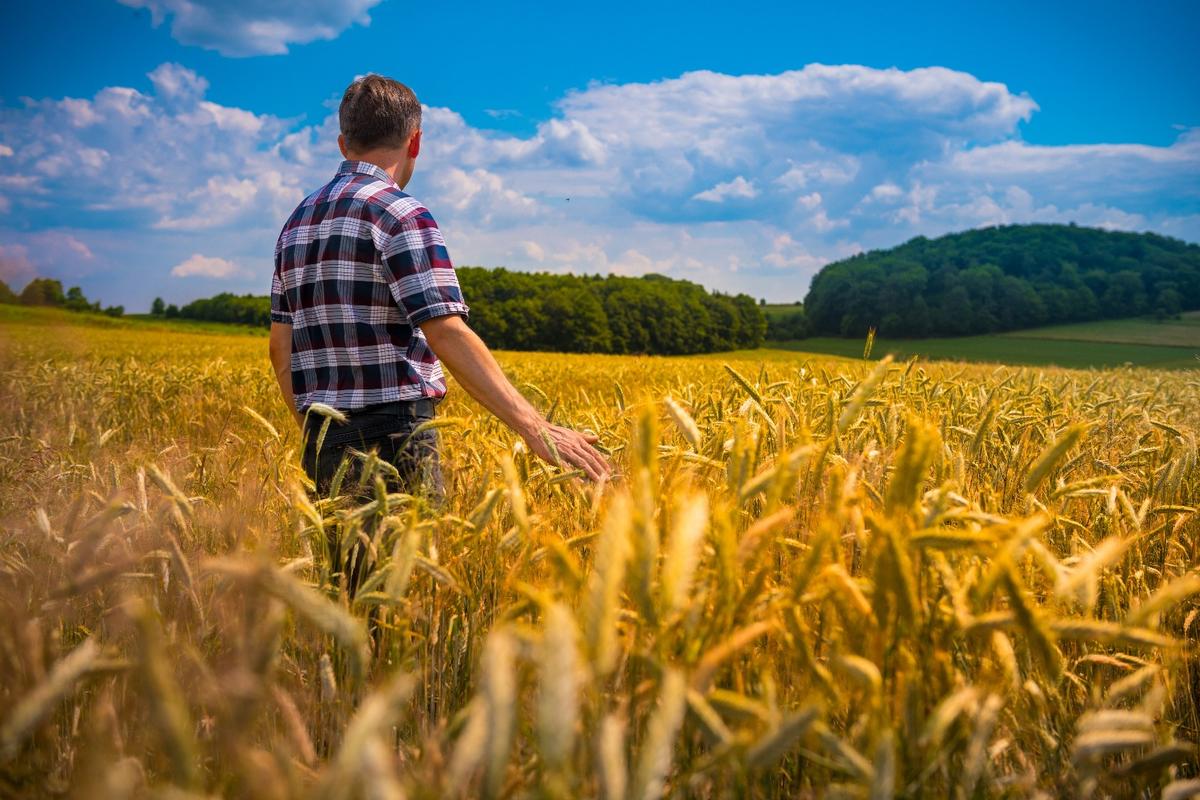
[
  {"x": 1002, "y": 278},
  {"x": 979, "y": 281},
  {"x": 566, "y": 313},
  {"x": 243, "y": 309},
  {"x": 607, "y": 314},
  {"x": 49, "y": 292},
  {"x": 787, "y": 324}
]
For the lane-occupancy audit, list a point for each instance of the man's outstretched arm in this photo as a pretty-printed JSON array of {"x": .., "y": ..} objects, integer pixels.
[
  {"x": 280, "y": 348},
  {"x": 474, "y": 367}
]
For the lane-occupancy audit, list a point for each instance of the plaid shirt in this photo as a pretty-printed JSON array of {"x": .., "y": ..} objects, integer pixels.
[{"x": 358, "y": 267}]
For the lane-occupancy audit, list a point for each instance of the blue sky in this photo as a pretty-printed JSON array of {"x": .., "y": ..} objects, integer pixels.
[{"x": 153, "y": 147}]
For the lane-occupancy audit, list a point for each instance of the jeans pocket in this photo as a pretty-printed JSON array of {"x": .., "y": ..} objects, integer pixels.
[
  {"x": 360, "y": 433},
  {"x": 396, "y": 438},
  {"x": 414, "y": 454}
]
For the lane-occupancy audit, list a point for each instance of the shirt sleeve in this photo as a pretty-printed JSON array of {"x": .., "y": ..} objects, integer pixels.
[
  {"x": 280, "y": 312},
  {"x": 418, "y": 270}
]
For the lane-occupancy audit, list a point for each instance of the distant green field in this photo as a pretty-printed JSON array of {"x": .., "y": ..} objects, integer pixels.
[
  {"x": 779, "y": 310},
  {"x": 37, "y": 315},
  {"x": 1141, "y": 342},
  {"x": 1007, "y": 350},
  {"x": 1184, "y": 332},
  {"x": 196, "y": 325}
]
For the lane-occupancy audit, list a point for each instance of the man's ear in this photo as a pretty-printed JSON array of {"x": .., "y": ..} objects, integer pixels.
[
  {"x": 414, "y": 145},
  {"x": 342, "y": 146}
]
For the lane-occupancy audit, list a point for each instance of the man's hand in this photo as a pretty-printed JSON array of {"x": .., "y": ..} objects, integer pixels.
[
  {"x": 472, "y": 364},
  {"x": 563, "y": 446},
  {"x": 280, "y": 347}
]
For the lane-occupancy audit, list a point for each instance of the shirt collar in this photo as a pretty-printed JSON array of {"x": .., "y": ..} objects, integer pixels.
[{"x": 364, "y": 168}]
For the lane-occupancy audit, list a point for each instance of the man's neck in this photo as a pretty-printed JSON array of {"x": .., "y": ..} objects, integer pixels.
[{"x": 393, "y": 162}]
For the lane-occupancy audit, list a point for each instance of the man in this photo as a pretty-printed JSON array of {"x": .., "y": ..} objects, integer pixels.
[{"x": 366, "y": 307}]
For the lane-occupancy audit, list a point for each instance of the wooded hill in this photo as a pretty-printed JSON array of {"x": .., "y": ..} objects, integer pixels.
[{"x": 1003, "y": 278}]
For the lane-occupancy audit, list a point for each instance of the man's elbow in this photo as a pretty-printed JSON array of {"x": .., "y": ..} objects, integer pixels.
[
  {"x": 279, "y": 344},
  {"x": 440, "y": 331}
]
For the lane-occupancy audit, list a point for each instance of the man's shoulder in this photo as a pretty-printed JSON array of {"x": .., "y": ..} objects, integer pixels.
[
  {"x": 303, "y": 211},
  {"x": 395, "y": 206},
  {"x": 383, "y": 203},
  {"x": 366, "y": 199}
]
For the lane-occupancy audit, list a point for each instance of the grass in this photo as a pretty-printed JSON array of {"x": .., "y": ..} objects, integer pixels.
[
  {"x": 40, "y": 317},
  {"x": 1182, "y": 332},
  {"x": 1173, "y": 344},
  {"x": 779, "y": 310},
  {"x": 816, "y": 577},
  {"x": 1141, "y": 341},
  {"x": 196, "y": 325},
  {"x": 1004, "y": 349}
]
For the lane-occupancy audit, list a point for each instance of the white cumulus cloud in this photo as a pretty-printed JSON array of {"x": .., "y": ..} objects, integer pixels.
[
  {"x": 16, "y": 269},
  {"x": 534, "y": 251},
  {"x": 29, "y": 254},
  {"x": 175, "y": 81},
  {"x": 255, "y": 27},
  {"x": 171, "y": 158},
  {"x": 739, "y": 187},
  {"x": 198, "y": 265},
  {"x": 742, "y": 183},
  {"x": 480, "y": 195}
]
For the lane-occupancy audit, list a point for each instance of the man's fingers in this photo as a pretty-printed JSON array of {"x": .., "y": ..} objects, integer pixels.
[
  {"x": 587, "y": 436},
  {"x": 586, "y": 439},
  {"x": 591, "y": 473},
  {"x": 551, "y": 455},
  {"x": 554, "y": 447},
  {"x": 600, "y": 462},
  {"x": 593, "y": 459},
  {"x": 566, "y": 447},
  {"x": 580, "y": 460},
  {"x": 597, "y": 461},
  {"x": 582, "y": 456}
]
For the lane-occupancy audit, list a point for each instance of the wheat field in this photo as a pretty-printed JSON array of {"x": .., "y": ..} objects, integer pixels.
[{"x": 813, "y": 578}]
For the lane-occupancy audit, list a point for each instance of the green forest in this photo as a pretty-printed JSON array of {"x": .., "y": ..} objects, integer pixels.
[
  {"x": 610, "y": 314},
  {"x": 524, "y": 311},
  {"x": 244, "y": 309},
  {"x": 49, "y": 292},
  {"x": 999, "y": 279},
  {"x": 976, "y": 282},
  {"x": 566, "y": 313}
]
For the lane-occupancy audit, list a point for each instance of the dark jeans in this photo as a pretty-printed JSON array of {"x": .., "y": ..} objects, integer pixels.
[{"x": 386, "y": 429}]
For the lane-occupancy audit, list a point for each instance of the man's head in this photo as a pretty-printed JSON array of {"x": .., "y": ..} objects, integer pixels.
[{"x": 380, "y": 122}]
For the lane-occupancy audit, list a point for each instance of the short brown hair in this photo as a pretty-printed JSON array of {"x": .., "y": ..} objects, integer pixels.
[{"x": 378, "y": 112}]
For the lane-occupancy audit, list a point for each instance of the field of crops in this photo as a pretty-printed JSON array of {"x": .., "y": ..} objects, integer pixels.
[{"x": 813, "y": 578}]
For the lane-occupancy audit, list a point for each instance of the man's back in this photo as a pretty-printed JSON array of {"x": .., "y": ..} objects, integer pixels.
[
  {"x": 358, "y": 266},
  {"x": 363, "y": 296}
]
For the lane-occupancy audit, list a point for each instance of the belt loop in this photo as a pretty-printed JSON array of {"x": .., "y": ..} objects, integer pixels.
[{"x": 421, "y": 407}]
